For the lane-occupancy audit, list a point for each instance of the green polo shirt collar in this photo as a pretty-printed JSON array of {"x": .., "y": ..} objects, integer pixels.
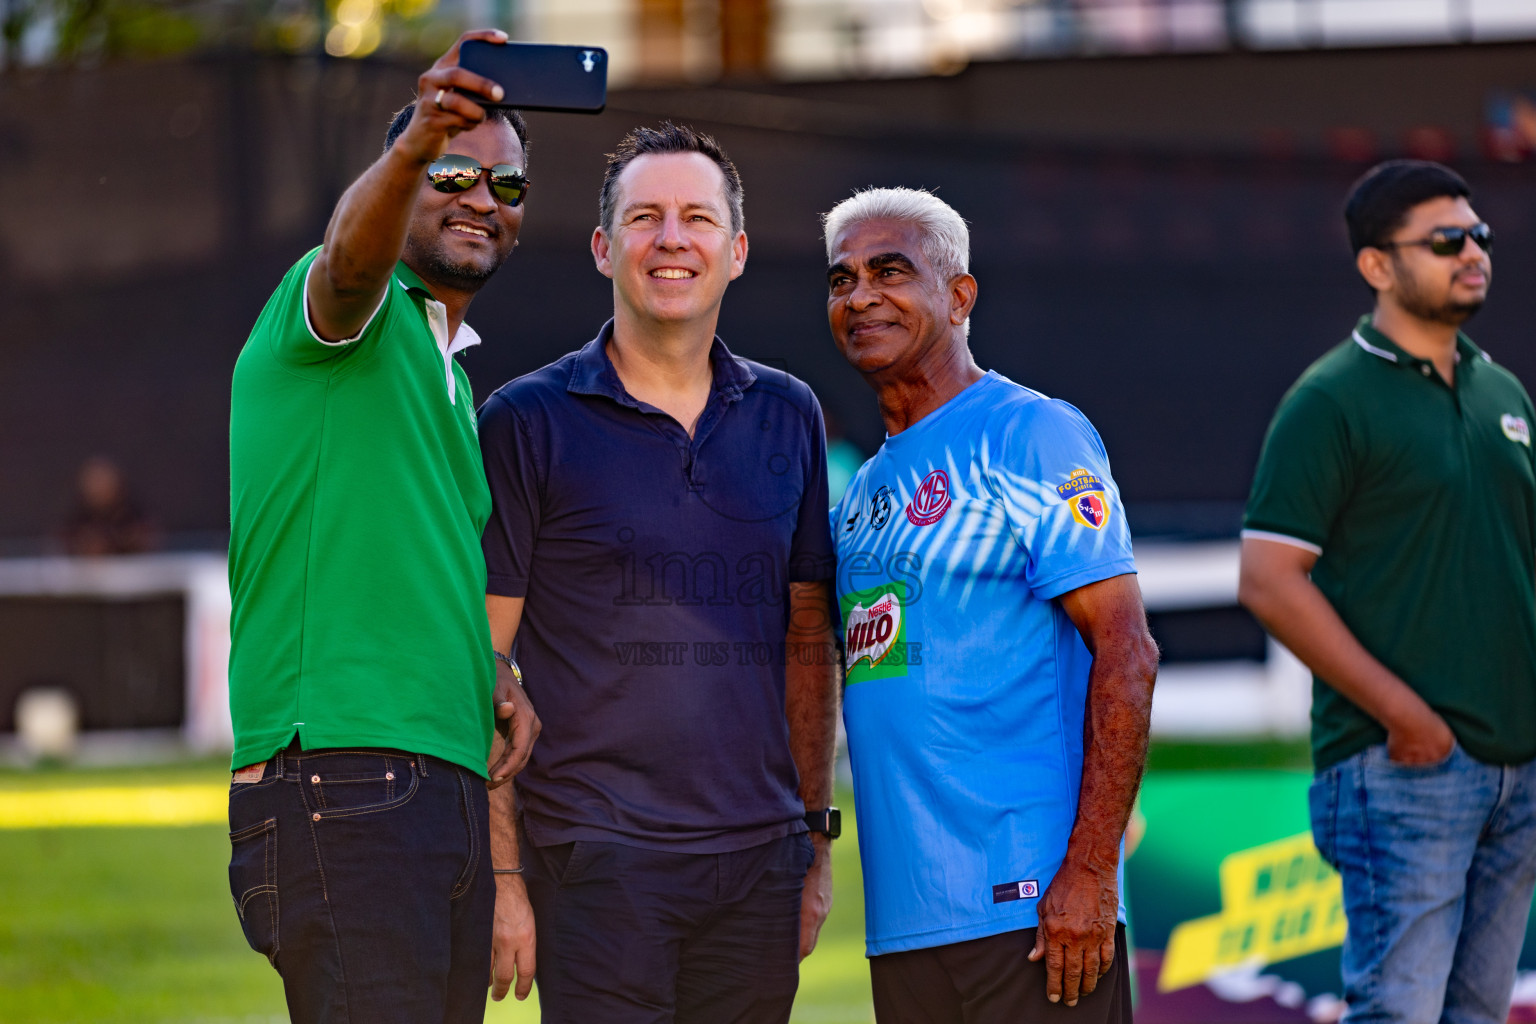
[
  {"x": 1378, "y": 344},
  {"x": 409, "y": 278},
  {"x": 437, "y": 322}
]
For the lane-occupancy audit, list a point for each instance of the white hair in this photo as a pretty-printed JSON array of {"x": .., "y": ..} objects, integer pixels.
[{"x": 946, "y": 241}]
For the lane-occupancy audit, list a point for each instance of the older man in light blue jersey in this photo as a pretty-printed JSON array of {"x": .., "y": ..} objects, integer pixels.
[{"x": 999, "y": 669}]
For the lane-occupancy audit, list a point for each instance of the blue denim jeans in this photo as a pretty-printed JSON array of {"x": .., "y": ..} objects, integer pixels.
[
  {"x": 364, "y": 877},
  {"x": 1438, "y": 863}
]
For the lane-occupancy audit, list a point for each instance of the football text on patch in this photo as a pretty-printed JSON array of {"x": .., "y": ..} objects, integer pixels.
[
  {"x": 931, "y": 501},
  {"x": 1516, "y": 429},
  {"x": 1009, "y": 891},
  {"x": 1084, "y": 494}
]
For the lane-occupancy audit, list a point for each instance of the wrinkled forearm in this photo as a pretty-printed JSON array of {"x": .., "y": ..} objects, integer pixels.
[{"x": 1115, "y": 732}]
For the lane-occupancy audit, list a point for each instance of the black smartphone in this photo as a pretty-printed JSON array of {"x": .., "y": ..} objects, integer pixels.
[{"x": 542, "y": 76}]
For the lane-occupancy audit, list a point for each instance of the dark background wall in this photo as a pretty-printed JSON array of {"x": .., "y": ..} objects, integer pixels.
[{"x": 1157, "y": 240}]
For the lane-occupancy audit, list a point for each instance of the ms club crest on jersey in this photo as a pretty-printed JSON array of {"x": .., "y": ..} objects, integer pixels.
[
  {"x": 1516, "y": 429},
  {"x": 1084, "y": 494},
  {"x": 931, "y": 501}
]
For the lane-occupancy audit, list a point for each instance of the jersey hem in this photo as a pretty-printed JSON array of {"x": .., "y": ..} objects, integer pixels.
[
  {"x": 1281, "y": 538},
  {"x": 249, "y": 752},
  {"x": 309, "y": 324},
  {"x": 962, "y": 933},
  {"x": 1083, "y": 576}
]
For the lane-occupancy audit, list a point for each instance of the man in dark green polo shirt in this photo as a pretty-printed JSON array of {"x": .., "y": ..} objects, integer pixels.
[
  {"x": 361, "y": 671},
  {"x": 1390, "y": 542}
]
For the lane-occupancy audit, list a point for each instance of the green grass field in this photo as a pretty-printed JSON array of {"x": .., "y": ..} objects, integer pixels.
[{"x": 120, "y": 925}]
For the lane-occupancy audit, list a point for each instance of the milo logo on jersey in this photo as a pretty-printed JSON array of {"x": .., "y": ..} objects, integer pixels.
[
  {"x": 1085, "y": 496},
  {"x": 875, "y": 632}
]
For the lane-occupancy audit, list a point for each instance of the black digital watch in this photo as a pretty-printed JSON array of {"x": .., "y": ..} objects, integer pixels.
[{"x": 828, "y": 821}]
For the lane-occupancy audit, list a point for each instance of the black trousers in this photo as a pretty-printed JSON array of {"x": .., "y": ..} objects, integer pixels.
[
  {"x": 632, "y": 936},
  {"x": 990, "y": 981}
]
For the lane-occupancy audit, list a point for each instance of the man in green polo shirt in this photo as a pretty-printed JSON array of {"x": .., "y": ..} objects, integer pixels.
[
  {"x": 1390, "y": 542},
  {"x": 361, "y": 671}
]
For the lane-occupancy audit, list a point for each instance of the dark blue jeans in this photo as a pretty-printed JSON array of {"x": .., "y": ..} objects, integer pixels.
[
  {"x": 364, "y": 877},
  {"x": 632, "y": 936}
]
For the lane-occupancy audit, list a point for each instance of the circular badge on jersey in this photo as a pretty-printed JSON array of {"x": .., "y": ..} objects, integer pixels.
[
  {"x": 931, "y": 501},
  {"x": 880, "y": 508}
]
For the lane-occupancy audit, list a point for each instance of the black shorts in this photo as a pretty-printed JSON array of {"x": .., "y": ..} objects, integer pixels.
[{"x": 990, "y": 981}]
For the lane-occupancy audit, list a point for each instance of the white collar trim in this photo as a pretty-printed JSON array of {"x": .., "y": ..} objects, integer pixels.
[
  {"x": 1390, "y": 357},
  {"x": 467, "y": 337}
]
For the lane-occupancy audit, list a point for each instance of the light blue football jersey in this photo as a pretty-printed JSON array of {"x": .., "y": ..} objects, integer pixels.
[{"x": 966, "y": 682}]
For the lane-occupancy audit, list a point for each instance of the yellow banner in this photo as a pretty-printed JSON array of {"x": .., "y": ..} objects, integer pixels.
[{"x": 1278, "y": 901}]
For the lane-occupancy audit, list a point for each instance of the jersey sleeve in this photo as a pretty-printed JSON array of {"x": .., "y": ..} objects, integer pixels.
[
  {"x": 516, "y": 485},
  {"x": 811, "y": 557},
  {"x": 1062, "y": 505},
  {"x": 1305, "y": 472},
  {"x": 295, "y": 342}
]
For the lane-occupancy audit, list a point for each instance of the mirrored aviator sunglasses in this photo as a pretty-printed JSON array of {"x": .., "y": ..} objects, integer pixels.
[{"x": 452, "y": 172}]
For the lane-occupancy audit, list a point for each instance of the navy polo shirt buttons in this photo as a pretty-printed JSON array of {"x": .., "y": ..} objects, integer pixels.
[{"x": 656, "y": 570}]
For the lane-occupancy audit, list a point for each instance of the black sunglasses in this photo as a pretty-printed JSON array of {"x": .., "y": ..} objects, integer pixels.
[
  {"x": 454, "y": 173},
  {"x": 1450, "y": 241}
]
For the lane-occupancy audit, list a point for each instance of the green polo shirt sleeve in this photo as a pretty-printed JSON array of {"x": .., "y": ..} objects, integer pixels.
[
  {"x": 297, "y": 343},
  {"x": 1306, "y": 469}
]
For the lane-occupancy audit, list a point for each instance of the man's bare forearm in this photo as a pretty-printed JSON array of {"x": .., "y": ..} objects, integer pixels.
[
  {"x": 1115, "y": 729},
  {"x": 367, "y": 231},
  {"x": 1275, "y": 586},
  {"x": 506, "y": 850},
  {"x": 811, "y": 691}
]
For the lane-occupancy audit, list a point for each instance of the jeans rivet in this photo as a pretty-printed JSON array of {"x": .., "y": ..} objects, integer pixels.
[
  {"x": 315, "y": 779},
  {"x": 315, "y": 816},
  {"x": 390, "y": 776}
]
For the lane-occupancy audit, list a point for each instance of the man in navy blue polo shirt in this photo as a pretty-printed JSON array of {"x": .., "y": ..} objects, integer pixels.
[{"x": 659, "y": 549}]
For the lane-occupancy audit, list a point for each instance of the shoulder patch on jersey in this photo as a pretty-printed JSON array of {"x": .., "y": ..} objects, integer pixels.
[
  {"x": 1084, "y": 494},
  {"x": 931, "y": 501},
  {"x": 1516, "y": 429}
]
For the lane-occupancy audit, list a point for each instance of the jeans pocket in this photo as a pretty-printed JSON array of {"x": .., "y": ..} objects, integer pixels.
[
  {"x": 253, "y": 885},
  {"x": 1323, "y": 807},
  {"x": 1385, "y": 763},
  {"x": 345, "y": 784}
]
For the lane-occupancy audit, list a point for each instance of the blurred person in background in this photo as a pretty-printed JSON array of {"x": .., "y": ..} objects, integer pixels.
[
  {"x": 999, "y": 668},
  {"x": 106, "y": 520},
  {"x": 659, "y": 551},
  {"x": 361, "y": 672},
  {"x": 1390, "y": 542}
]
